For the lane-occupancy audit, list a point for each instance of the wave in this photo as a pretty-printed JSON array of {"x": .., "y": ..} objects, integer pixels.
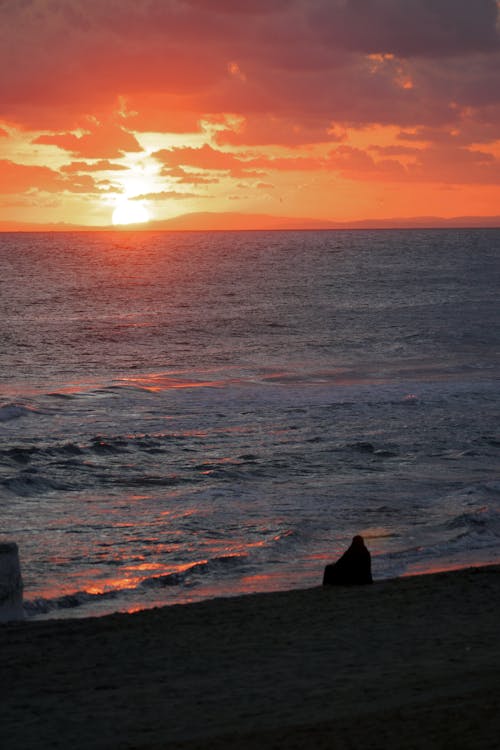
[
  {"x": 42, "y": 606},
  {"x": 23, "y": 455},
  {"x": 182, "y": 577},
  {"x": 97, "y": 445},
  {"x": 27, "y": 484},
  {"x": 480, "y": 526},
  {"x": 467, "y": 538},
  {"x": 364, "y": 447},
  {"x": 13, "y": 410},
  {"x": 185, "y": 577}
]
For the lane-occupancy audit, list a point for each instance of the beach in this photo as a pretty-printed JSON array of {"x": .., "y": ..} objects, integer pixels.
[{"x": 403, "y": 663}]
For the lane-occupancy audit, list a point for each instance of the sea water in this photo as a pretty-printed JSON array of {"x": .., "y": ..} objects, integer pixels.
[{"x": 189, "y": 415}]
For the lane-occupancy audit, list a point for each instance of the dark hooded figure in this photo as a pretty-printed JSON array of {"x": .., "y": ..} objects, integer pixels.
[{"x": 353, "y": 568}]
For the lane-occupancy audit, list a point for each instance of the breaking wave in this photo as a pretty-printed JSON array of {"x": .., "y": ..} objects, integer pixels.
[{"x": 186, "y": 577}]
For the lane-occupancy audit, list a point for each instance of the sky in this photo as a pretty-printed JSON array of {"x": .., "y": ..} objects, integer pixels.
[{"x": 340, "y": 110}]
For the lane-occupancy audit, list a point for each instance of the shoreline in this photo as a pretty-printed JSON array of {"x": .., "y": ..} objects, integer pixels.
[
  {"x": 406, "y": 662},
  {"x": 80, "y": 611}
]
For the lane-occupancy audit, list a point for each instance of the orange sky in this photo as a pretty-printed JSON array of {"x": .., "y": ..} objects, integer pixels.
[{"x": 328, "y": 109}]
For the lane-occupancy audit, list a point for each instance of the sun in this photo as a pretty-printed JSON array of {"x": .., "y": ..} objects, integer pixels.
[{"x": 130, "y": 212}]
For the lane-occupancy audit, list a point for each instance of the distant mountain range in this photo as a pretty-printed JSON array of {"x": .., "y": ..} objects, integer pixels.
[{"x": 206, "y": 221}]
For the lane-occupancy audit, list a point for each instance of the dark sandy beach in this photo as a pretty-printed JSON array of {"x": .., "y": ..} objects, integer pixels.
[{"x": 407, "y": 663}]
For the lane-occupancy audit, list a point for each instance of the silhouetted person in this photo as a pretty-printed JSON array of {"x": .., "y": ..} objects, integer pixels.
[{"x": 353, "y": 568}]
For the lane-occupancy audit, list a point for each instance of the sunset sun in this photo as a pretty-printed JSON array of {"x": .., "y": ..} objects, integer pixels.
[{"x": 130, "y": 212}]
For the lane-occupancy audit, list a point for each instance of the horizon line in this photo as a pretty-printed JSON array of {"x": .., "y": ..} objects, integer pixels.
[{"x": 237, "y": 222}]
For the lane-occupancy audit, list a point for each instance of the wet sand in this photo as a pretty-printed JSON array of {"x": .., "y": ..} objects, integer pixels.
[{"x": 407, "y": 663}]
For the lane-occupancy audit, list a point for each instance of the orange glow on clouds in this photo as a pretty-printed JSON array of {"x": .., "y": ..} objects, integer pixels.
[{"x": 326, "y": 111}]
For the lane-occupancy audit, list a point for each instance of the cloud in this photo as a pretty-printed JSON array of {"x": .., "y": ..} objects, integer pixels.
[
  {"x": 206, "y": 158},
  {"x": 465, "y": 131},
  {"x": 181, "y": 176},
  {"x": 235, "y": 165},
  {"x": 247, "y": 7},
  {"x": 446, "y": 164},
  {"x": 295, "y": 76},
  {"x": 107, "y": 141},
  {"x": 74, "y": 58},
  {"x": 408, "y": 28},
  {"x": 22, "y": 178},
  {"x": 19, "y": 178},
  {"x": 28, "y": 201},
  {"x": 103, "y": 165},
  {"x": 83, "y": 184},
  {"x": 397, "y": 149},
  {"x": 280, "y": 131},
  {"x": 165, "y": 195},
  {"x": 289, "y": 163},
  {"x": 456, "y": 165},
  {"x": 302, "y": 64},
  {"x": 447, "y": 161},
  {"x": 162, "y": 112}
]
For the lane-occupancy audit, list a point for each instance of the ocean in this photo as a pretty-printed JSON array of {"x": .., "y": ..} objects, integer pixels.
[{"x": 192, "y": 415}]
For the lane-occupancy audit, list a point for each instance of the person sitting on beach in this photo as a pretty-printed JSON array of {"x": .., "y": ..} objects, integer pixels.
[{"x": 353, "y": 568}]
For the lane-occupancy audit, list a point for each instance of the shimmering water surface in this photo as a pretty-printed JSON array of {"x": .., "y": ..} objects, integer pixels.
[{"x": 186, "y": 415}]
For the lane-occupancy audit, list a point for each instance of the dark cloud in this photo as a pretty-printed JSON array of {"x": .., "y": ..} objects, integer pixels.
[
  {"x": 293, "y": 70},
  {"x": 407, "y": 28},
  {"x": 250, "y": 7}
]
